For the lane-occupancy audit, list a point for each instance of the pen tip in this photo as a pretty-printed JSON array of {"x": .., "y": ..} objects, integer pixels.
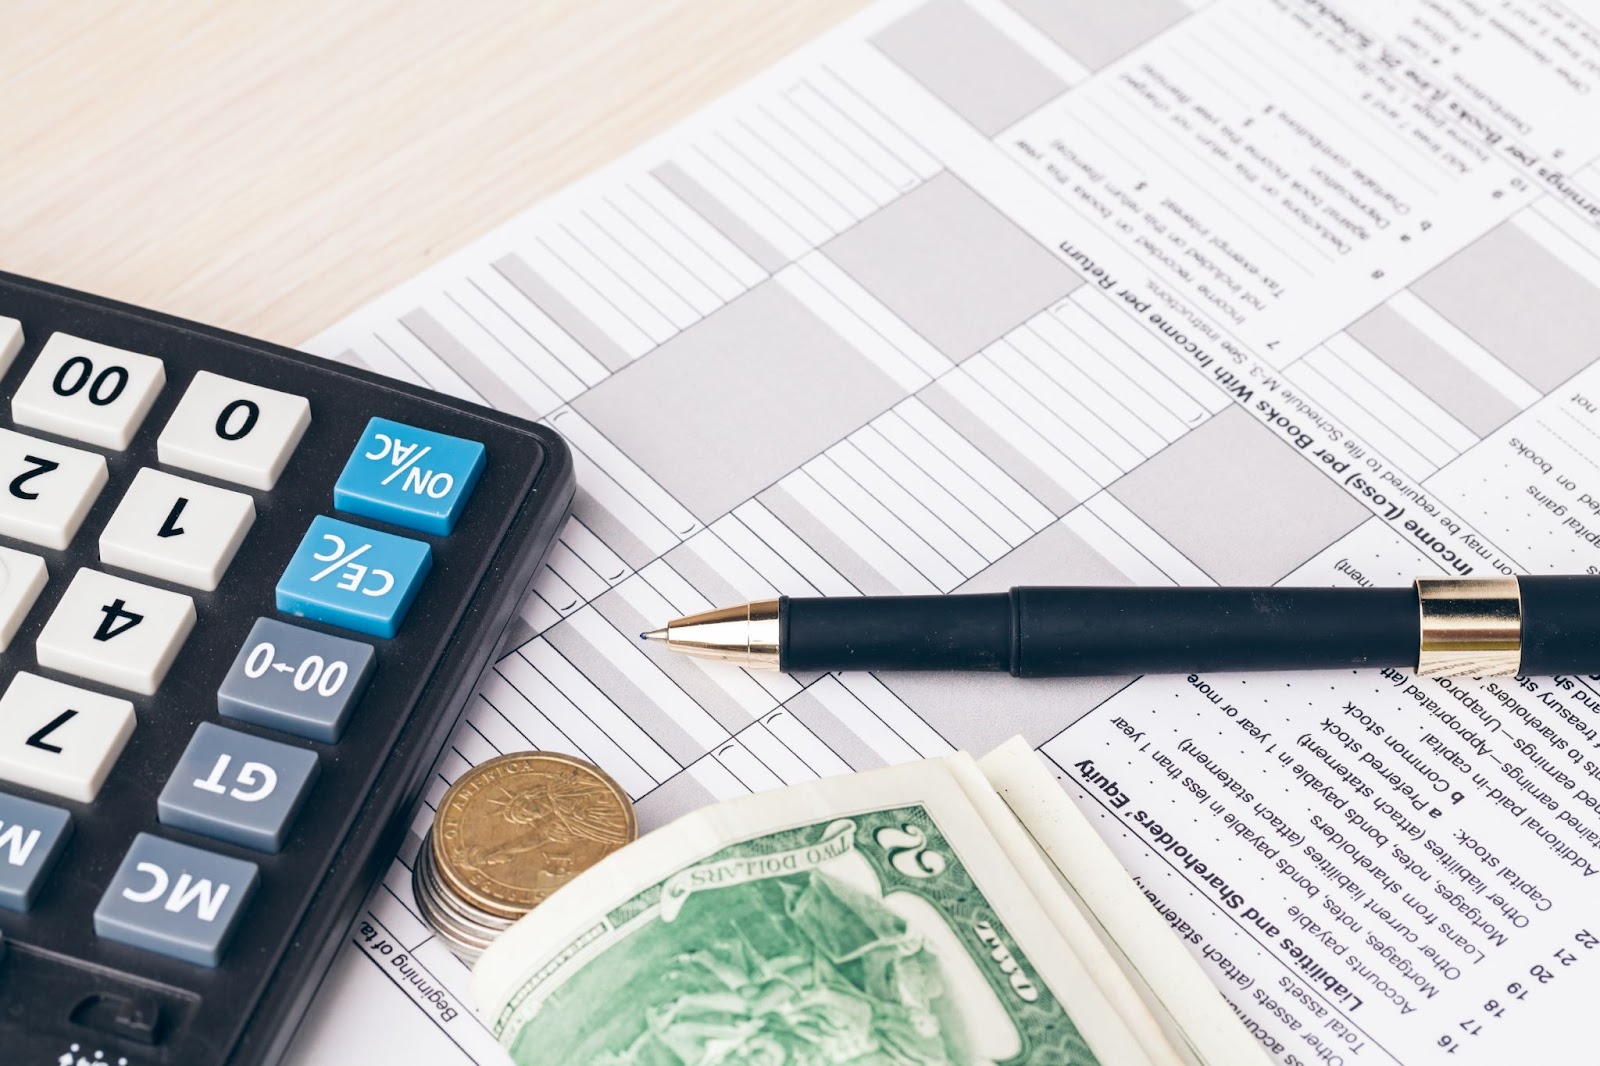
[{"x": 654, "y": 634}]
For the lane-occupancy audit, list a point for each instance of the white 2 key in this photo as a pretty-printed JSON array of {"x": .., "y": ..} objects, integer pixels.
[{"x": 46, "y": 488}]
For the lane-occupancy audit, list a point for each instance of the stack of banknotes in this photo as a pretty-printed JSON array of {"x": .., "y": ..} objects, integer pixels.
[{"x": 952, "y": 911}]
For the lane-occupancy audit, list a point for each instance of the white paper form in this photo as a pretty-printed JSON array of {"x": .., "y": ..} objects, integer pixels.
[{"x": 973, "y": 293}]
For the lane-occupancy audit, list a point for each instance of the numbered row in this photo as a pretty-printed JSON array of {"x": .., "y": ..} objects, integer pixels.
[
  {"x": 100, "y": 395},
  {"x": 188, "y": 532},
  {"x": 166, "y": 526},
  {"x": 126, "y": 634},
  {"x": 64, "y": 740}
]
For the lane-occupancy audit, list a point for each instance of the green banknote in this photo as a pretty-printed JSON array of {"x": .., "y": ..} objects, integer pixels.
[{"x": 870, "y": 920}]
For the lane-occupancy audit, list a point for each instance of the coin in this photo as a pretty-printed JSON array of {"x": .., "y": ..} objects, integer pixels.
[
  {"x": 465, "y": 931},
  {"x": 514, "y": 829}
]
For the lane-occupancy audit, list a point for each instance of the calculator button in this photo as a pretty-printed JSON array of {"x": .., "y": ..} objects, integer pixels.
[
  {"x": 60, "y": 739},
  {"x": 235, "y": 431},
  {"x": 10, "y": 342},
  {"x": 47, "y": 488},
  {"x": 353, "y": 577},
  {"x": 87, "y": 391},
  {"x": 22, "y": 578},
  {"x": 237, "y": 788},
  {"x": 31, "y": 838},
  {"x": 176, "y": 529},
  {"x": 296, "y": 680},
  {"x": 176, "y": 900},
  {"x": 116, "y": 631},
  {"x": 412, "y": 477}
]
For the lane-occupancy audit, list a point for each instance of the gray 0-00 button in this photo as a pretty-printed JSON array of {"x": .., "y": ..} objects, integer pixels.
[{"x": 296, "y": 680}]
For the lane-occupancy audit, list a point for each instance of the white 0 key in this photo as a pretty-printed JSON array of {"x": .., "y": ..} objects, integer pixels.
[
  {"x": 233, "y": 430},
  {"x": 176, "y": 529},
  {"x": 46, "y": 488},
  {"x": 22, "y": 578},
  {"x": 88, "y": 391},
  {"x": 10, "y": 342},
  {"x": 116, "y": 631},
  {"x": 59, "y": 738}
]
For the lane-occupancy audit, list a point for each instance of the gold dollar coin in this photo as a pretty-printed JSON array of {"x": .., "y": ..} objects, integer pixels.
[{"x": 514, "y": 829}]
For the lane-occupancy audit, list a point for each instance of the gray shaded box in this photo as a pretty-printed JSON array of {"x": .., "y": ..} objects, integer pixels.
[
  {"x": 684, "y": 672},
  {"x": 826, "y": 543},
  {"x": 734, "y": 402},
  {"x": 826, "y": 727},
  {"x": 238, "y": 788},
  {"x": 620, "y": 690},
  {"x": 675, "y": 797},
  {"x": 1095, "y": 32},
  {"x": 1023, "y": 470},
  {"x": 1528, "y": 308},
  {"x": 1238, "y": 502},
  {"x": 260, "y": 687},
  {"x": 961, "y": 58},
  {"x": 979, "y": 712},
  {"x": 720, "y": 216},
  {"x": 464, "y": 361},
  {"x": 562, "y": 311},
  {"x": 175, "y": 900},
  {"x": 1434, "y": 371},
  {"x": 957, "y": 270}
]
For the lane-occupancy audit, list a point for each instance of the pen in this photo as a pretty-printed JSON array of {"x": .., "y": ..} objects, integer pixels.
[{"x": 1475, "y": 627}]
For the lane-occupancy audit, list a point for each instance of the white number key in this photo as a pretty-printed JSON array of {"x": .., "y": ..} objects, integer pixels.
[
  {"x": 60, "y": 739},
  {"x": 116, "y": 631},
  {"x": 46, "y": 488},
  {"x": 233, "y": 430},
  {"x": 87, "y": 391},
  {"x": 176, "y": 529},
  {"x": 10, "y": 342},
  {"x": 22, "y": 578}
]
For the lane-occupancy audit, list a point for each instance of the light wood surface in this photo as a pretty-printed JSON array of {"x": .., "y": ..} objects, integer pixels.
[{"x": 270, "y": 165}]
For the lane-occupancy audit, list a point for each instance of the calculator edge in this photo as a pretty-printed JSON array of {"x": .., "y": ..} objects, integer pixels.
[{"x": 527, "y": 541}]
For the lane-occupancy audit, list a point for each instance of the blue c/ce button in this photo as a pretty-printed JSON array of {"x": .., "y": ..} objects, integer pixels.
[
  {"x": 411, "y": 477},
  {"x": 353, "y": 577}
]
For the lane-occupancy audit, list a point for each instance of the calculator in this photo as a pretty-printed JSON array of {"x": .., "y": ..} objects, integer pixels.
[{"x": 245, "y": 594}]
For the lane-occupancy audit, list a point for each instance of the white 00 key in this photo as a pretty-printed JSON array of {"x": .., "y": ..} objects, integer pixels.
[{"x": 88, "y": 391}]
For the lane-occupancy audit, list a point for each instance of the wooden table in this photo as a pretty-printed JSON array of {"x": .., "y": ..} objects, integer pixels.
[{"x": 270, "y": 165}]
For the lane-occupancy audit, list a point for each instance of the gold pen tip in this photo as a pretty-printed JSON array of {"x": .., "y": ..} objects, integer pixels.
[{"x": 654, "y": 634}]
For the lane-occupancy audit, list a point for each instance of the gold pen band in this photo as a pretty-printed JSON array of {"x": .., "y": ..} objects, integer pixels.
[{"x": 1469, "y": 627}]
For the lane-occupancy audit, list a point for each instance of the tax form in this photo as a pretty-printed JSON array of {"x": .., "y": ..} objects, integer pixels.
[{"x": 973, "y": 293}]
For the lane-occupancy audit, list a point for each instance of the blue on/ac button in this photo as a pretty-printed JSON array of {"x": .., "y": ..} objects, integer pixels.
[
  {"x": 353, "y": 577},
  {"x": 412, "y": 477}
]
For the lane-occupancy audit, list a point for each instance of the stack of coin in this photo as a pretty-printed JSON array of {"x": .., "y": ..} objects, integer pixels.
[{"x": 508, "y": 833}]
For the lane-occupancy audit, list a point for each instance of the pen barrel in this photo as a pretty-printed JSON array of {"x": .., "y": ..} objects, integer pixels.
[
  {"x": 1560, "y": 625},
  {"x": 1093, "y": 631},
  {"x": 970, "y": 632},
  {"x": 1072, "y": 632}
]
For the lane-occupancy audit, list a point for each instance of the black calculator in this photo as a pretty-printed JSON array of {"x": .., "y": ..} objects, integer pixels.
[{"x": 245, "y": 594}]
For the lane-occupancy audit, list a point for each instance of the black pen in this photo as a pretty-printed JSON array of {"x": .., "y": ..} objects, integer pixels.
[{"x": 1475, "y": 627}]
